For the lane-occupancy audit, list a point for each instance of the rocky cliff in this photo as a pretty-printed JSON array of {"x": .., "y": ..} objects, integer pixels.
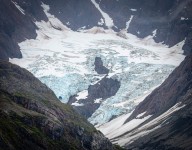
[{"x": 33, "y": 118}]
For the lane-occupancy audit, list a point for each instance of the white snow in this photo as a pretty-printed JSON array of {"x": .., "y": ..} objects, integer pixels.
[
  {"x": 183, "y": 18},
  {"x": 18, "y": 7},
  {"x": 133, "y": 9},
  {"x": 128, "y": 22},
  {"x": 140, "y": 115},
  {"x": 68, "y": 23},
  {"x": 154, "y": 33},
  {"x": 140, "y": 131},
  {"x": 162, "y": 50},
  {"x": 101, "y": 22},
  {"x": 98, "y": 100},
  {"x": 108, "y": 20},
  {"x": 82, "y": 95},
  {"x": 113, "y": 124},
  {"x": 121, "y": 127},
  {"x": 77, "y": 104}
]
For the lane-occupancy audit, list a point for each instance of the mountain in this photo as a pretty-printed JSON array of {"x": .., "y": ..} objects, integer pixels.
[
  {"x": 162, "y": 120},
  {"x": 99, "y": 73},
  {"x": 33, "y": 118},
  {"x": 17, "y": 24},
  {"x": 170, "y": 22},
  {"x": 105, "y": 58}
]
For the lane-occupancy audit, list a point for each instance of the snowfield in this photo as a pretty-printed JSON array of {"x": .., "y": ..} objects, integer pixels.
[{"x": 64, "y": 61}]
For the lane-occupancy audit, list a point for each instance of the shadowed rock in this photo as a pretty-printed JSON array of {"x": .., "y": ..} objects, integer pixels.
[{"x": 99, "y": 68}]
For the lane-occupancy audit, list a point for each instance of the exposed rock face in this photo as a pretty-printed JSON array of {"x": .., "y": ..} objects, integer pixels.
[
  {"x": 98, "y": 92},
  {"x": 75, "y": 14},
  {"x": 175, "y": 131},
  {"x": 99, "y": 68},
  {"x": 16, "y": 26},
  {"x": 171, "y": 20},
  {"x": 33, "y": 118}
]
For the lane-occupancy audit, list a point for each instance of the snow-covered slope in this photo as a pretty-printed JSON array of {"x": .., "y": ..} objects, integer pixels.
[
  {"x": 64, "y": 60},
  {"x": 125, "y": 133}
]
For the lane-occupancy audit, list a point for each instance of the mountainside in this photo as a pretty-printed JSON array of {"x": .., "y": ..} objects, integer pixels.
[
  {"x": 163, "y": 119},
  {"x": 33, "y": 118},
  {"x": 96, "y": 71},
  {"x": 109, "y": 60},
  {"x": 169, "y": 22},
  {"x": 17, "y": 23},
  {"x": 175, "y": 129}
]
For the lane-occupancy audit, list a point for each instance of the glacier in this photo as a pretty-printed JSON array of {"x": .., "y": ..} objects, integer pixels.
[{"x": 64, "y": 61}]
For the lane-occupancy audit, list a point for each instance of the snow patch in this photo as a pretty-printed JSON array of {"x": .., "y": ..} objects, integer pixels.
[
  {"x": 113, "y": 124},
  {"x": 98, "y": 100},
  {"x": 133, "y": 9},
  {"x": 101, "y": 22},
  {"x": 128, "y": 23},
  {"x": 82, "y": 95},
  {"x": 77, "y": 104},
  {"x": 140, "y": 115},
  {"x": 154, "y": 33},
  {"x": 108, "y": 20},
  {"x": 183, "y": 18},
  {"x": 123, "y": 128},
  {"x": 18, "y": 7}
]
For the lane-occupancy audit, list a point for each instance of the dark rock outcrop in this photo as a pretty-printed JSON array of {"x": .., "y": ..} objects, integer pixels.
[
  {"x": 99, "y": 68},
  {"x": 16, "y": 26},
  {"x": 104, "y": 89},
  {"x": 33, "y": 118},
  {"x": 175, "y": 131}
]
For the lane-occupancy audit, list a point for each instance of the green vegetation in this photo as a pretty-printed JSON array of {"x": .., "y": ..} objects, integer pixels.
[
  {"x": 31, "y": 116},
  {"x": 15, "y": 134}
]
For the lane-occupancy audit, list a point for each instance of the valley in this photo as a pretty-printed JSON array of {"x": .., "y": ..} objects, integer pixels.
[{"x": 113, "y": 68}]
